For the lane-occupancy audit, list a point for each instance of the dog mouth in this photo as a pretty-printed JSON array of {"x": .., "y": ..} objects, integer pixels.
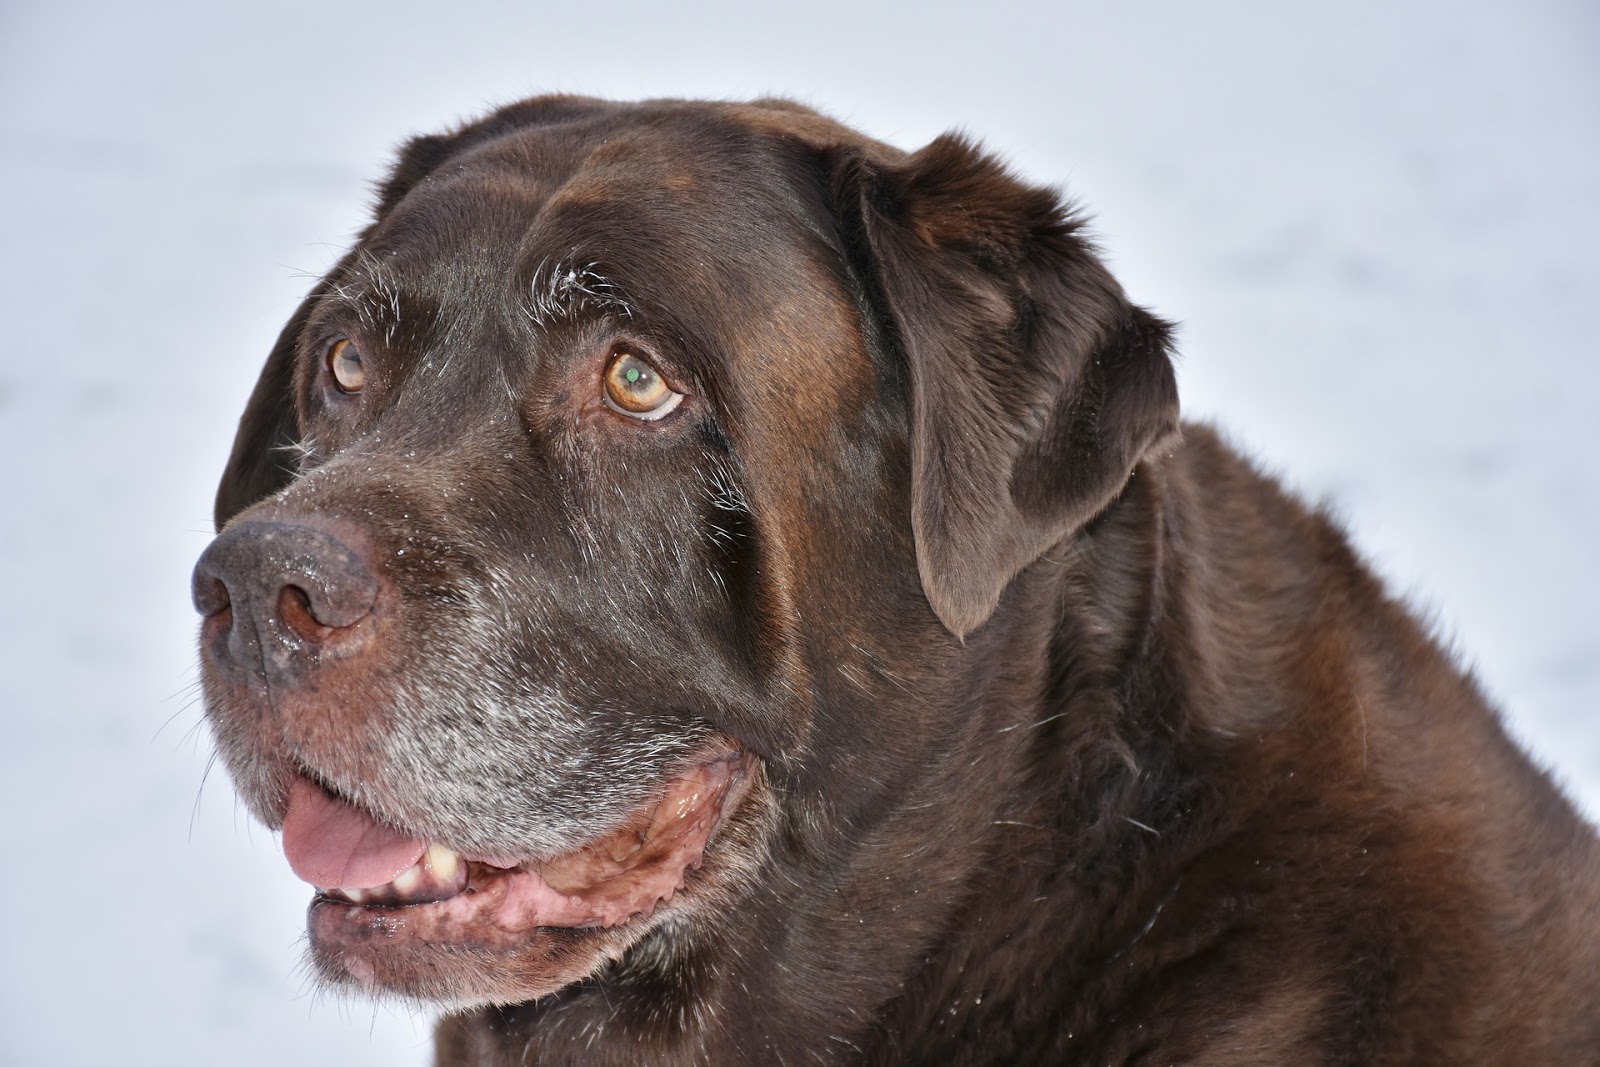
[{"x": 387, "y": 901}]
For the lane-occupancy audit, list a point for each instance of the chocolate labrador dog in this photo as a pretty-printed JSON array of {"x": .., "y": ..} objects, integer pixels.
[{"x": 697, "y": 585}]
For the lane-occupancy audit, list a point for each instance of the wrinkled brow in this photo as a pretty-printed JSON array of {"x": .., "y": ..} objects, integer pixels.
[
  {"x": 371, "y": 292},
  {"x": 564, "y": 290}
]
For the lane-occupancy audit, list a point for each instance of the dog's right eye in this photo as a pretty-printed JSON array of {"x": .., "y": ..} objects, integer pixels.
[
  {"x": 636, "y": 389},
  {"x": 344, "y": 363}
]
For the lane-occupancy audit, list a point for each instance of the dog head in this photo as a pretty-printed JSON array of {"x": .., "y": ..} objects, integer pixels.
[{"x": 610, "y": 531}]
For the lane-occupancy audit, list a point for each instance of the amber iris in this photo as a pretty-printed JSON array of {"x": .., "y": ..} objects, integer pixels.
[
  {"x": 634, "y": 388},
  {"x": 344, "y": 363}
]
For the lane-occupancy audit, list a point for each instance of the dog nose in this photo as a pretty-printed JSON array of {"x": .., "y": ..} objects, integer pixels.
[{"x": 275, "y": 594}]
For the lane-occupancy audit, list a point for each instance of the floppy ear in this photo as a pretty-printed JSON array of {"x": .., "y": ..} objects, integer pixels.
[
  {"x": 1036, "y": 386},
  {"x": 260, "y": 463}
]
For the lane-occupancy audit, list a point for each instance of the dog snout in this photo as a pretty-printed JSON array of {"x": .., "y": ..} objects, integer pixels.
[{"x": 276, "y": 595}]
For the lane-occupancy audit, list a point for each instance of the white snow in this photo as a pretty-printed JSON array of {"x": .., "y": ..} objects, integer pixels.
[{"x": 1378, "y": 223}]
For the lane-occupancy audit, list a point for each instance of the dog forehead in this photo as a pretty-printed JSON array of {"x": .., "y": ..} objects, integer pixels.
[
  {"x": 705, "y": 223},
  {"x": 645, "y": 205},
  {"x": 681, "y": 172}
]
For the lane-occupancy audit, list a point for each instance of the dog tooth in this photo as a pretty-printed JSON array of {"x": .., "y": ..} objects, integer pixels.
[
  {"x": 442, "y": 862},
  {"x": 408, "y": 880},
  {"x": 354, "y": 896},
  {"x": 624, "y": 846}
]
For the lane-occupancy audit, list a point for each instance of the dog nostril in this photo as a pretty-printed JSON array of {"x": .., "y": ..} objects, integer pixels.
[
  {"x": 211, "y": 597},
  {"x": 264, "y": 586},
  {"x": 294, "y": 608}
]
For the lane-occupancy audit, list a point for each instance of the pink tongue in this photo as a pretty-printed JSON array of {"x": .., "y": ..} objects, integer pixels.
[{"x": 336, "y": 845}]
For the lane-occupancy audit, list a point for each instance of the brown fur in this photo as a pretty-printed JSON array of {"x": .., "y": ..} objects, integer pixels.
[{"x": 1077, "y": 740}]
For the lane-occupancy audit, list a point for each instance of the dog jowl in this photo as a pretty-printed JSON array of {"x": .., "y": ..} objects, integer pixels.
[{"x": 698, "y": 585}]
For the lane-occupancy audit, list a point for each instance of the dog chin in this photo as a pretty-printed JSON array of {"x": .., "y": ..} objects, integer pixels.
[{"x": 466, "y": 931}]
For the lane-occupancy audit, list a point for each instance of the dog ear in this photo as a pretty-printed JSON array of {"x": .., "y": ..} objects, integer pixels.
[
  {"x": 1036, "y": 386},
  {"x": 260, "y": 463}
]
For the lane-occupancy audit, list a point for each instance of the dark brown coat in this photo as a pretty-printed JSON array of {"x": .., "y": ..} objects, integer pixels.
[{"x": 1063, "y": 734}]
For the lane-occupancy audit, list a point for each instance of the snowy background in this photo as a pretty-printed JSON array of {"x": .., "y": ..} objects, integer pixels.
[{"x": 1378, "y": 222}]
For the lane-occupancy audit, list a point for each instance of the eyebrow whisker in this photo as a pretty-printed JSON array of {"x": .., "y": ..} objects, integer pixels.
[{"x": 565, "y": 289}]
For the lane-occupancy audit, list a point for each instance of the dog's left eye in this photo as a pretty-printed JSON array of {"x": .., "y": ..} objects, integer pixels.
[{"x": 634, "y": 388}]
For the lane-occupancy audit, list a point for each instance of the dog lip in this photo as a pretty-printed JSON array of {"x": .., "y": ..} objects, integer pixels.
[{"x": 622, "y": 874}]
